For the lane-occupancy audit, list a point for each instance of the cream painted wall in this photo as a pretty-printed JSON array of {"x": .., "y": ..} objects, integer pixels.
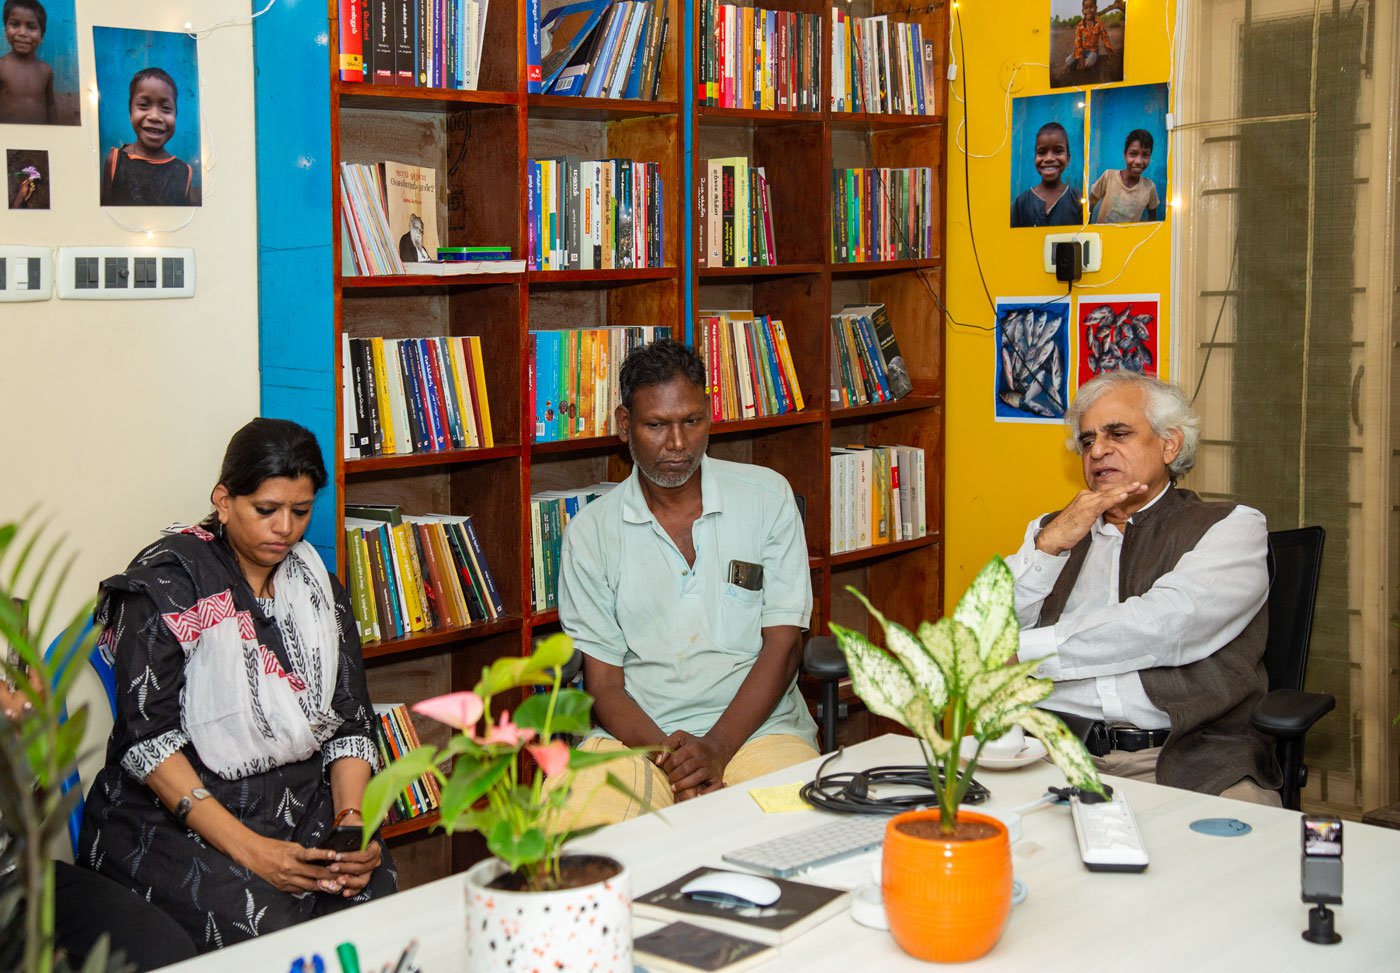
[
  {"x": 119, "y": 411},
  {"x": 1000, "y": 475}
]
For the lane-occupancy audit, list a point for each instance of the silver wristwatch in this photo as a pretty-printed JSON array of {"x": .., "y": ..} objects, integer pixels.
[{"x": 182, "y": 809}]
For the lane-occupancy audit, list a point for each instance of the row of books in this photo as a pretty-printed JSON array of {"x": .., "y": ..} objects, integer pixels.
[
  {"x": 396, "y": 735},
  {"x": 599, "y": 48},
  {"x": 413, "y": 573},
  {"x": 866, "y": 364},
  {"x": 550, "y": 513},
  {"x": 878, "y": 496},
  {"x": 748, "y": 364},
  {"x": 414, "y": 395},
  {"x": 882, "y": 214},
  {"x": 762, "y": 59},
  {"x": 574, "y": 378},
  {"x": 363, "y": 225},
  {"x": 881, "y": 66},
  {"x": 597, "y": 214},
  {"x": 735, "y": 210},
  {"x": 412, "y": 43}
]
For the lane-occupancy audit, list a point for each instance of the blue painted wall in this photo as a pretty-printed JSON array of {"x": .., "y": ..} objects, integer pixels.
[{"x": 296, "y": 306}]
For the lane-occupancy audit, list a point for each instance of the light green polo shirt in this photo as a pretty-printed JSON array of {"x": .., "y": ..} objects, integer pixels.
[{"x": 685, "y": 637}]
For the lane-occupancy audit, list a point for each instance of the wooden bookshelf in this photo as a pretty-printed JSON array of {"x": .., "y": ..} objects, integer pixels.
[{"x": 479, "y": 141}]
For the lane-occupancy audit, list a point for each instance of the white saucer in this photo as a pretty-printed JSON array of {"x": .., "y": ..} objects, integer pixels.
[{"x": 1030, "y": 753}]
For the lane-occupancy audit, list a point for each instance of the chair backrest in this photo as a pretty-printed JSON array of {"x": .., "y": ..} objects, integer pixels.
[
  {"x": 1295, "y": 563},
  {"x": 103, "y": 668}
]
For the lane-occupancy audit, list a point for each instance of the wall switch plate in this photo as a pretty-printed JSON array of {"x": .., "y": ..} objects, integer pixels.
[
  {"x": 26, "y": 273},
  {"x": 125, "y": 273},
  {"x": 1090, "y": 250}
]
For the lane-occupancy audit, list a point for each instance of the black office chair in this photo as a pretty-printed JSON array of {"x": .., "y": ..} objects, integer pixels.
[
  {"x": 823, "y": 661},
  {"x": 1287, "y": 712}
]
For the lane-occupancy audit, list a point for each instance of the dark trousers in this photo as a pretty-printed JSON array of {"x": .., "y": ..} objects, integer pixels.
[{"x": 87, "y": 904}]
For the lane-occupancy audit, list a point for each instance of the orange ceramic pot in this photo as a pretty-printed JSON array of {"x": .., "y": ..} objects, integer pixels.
[{"x": 946, "y": 901}]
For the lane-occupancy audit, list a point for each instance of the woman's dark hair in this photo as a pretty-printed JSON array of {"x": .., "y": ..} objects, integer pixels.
[
  {"x": 146, "y": 73},
  {"x": 270, "y": 447},
  {"x": 656, "y": 364},
  {"x": 1139, "y": 135},
  {"x": 33, "y": 6},
  {"x": 1054, "y": 128}
]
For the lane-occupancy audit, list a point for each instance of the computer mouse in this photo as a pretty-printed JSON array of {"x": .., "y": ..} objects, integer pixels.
[{"x": 732, "y": 888}]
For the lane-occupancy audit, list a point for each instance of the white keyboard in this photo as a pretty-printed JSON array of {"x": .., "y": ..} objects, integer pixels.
[{"x": 850, "y": 834}]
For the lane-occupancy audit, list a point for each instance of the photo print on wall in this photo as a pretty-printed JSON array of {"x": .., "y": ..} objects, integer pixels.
[
  {"x": 1047, "y": 160},
  {"x": 28, "y": 184},
  {"x": 1032, "y": 359},
  {"x": 1116, "y": 334},
  {"x": 148, "y": 117},
  {"x": 1086, "y": 42},
  {"x": 1128, "y": 152},
  {"x": 39, "y": 63}
]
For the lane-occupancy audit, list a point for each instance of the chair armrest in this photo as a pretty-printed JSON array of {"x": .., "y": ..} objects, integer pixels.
[
  {"x": 822, "y": 659},
  {"x": 1290, "y": 713}
]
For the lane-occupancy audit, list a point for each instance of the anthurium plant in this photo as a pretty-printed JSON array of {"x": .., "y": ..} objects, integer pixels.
[
  {"x": 959, "y": 677},
  {"x": 485, "y": 790}
]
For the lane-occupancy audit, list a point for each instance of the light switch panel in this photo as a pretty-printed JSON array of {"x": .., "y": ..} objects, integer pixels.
[
  {"x": 26, "y": 273},
  {"x": 125, "y": 273},
  {"x": 1090, "y": 247}
]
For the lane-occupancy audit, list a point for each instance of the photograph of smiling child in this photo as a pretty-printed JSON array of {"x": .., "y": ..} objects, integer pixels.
[
  {"x": 1045, "y": 182},
  {"x": 38, "y": 63},
  {"x": 1135, "y": 192},
  {"x": 1086, "y": 42},
  {"x": 156, "y": 104}
]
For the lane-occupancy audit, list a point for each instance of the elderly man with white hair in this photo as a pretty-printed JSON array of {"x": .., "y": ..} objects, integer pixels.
[{"x": 1147, "y": 604}]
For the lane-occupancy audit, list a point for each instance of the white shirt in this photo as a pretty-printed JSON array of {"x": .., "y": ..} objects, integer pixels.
[{"x": 1096, "y": 649}]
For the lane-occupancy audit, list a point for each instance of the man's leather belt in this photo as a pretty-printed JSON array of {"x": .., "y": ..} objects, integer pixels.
[{"x": 1100, "y": 738}]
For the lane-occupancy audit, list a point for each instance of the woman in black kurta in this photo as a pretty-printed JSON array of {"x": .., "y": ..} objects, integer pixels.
[{"x": 243, "y": 732}]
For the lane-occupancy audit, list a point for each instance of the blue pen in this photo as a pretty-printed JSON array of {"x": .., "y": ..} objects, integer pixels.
[
  {"x": 298, "y": 965},
  {"x": 318, "y": 965}
]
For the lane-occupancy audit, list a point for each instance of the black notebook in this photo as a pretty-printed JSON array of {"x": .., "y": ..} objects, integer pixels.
[
  {"x": 800, "y": 907},
  {"x": 684, "y": 948}
]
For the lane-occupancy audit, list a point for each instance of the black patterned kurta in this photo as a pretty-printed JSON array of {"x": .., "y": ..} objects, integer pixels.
[{"x": 128, "y": 835}]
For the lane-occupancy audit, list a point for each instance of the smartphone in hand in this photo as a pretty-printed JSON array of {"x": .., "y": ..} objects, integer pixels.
[{"x": 344, "y": 838}]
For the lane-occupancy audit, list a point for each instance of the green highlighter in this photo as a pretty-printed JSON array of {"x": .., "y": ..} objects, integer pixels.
[{"x": 349, "y": 958}]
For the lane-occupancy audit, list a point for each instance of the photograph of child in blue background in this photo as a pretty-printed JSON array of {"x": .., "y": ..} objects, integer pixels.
[
  {"x": 39, "y": 63},
  {"x": 148, "y": 117},
  {"x": 1129, "y": 172},
  {"x": 1047, "y": 168}
]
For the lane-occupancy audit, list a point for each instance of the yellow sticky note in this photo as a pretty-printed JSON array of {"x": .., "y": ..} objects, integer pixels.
[{"x": 780, "y": 797}]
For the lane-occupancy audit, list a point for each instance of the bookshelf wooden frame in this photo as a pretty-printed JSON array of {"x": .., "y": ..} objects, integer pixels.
[{"x": 479, "y": 142}]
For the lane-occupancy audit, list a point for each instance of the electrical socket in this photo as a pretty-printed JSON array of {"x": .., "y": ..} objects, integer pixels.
[
  {"x": 125, "y": 273},
  {"x": 26, "y": 274},
  {"x": 1090, "y": 250}
]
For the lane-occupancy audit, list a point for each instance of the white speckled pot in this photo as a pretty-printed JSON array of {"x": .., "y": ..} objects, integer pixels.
[{"x": 583, "y": 930}]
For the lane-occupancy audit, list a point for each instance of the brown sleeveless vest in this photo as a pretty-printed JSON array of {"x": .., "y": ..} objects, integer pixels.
[{"x": 1211, "y": 745}]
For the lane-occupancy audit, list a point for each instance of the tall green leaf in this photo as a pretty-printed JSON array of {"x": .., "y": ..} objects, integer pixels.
[
  {"x": 988, "y": 608},
  {"x": 1066, "y": 750},
  {"x": 917, "y": 660},
  {"x": 876, "y": 676}
]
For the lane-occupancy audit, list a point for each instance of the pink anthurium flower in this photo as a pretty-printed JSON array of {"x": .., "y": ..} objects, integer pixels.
[
  {"x": 553, "y": 757},
  {"x": 507, "y": 732},
  {"x": 460, "y": 710}
]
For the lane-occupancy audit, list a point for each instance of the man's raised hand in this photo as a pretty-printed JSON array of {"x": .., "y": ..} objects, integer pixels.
[{"x": 1072, "y": 524}]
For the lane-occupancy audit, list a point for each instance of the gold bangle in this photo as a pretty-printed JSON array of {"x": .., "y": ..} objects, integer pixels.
[{"x": 343, "y": 814}]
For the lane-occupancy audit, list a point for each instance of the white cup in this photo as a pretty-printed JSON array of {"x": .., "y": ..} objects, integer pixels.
[{"x": 1006, "y": 746}]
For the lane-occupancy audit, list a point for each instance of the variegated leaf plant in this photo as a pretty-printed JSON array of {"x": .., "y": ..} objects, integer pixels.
[{"x": 956, "y": 678}]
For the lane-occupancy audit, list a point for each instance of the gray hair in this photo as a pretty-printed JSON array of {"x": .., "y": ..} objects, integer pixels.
[{"x": 1167, "y": 411}]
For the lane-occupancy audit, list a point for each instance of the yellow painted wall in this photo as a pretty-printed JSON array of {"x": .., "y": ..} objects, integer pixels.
[{"x": 1000, "y": 475}]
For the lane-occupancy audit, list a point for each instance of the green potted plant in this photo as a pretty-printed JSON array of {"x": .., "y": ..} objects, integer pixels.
[
  {"x": 947, "y": 873},
  {"x": 38, "y": 750},
  {"x": 526, "y": 903}
]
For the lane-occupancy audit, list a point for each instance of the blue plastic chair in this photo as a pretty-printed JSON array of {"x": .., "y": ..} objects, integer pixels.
[{"x": 109, "y": 683}]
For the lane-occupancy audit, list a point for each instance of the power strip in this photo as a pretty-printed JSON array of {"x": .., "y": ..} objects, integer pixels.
[
  {"x": 26, "y": 273},
  {"x": 125, "y": 273}
]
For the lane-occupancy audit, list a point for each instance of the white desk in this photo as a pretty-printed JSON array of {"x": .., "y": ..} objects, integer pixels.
[{"x": 1204, "y": 903}]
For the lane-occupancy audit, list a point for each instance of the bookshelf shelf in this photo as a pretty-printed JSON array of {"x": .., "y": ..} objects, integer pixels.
[
  {"x": 910, "y": 403},
  {"x": 585, "y": 444},
  {"x": 445, "y": 457},
  {"x": 754, "y": 116},
  {"x": 443, "y": 635},
  {"x": 739, "y": 427},
  {"x": 550, "y": 617},
  {"x": 885, "y": 266},
  {"x": 388, "y": 281},
  {"x": 416, "y": 99},
  {"x": 860, "y": 121},
  {"x": 880, "y": 551},
  {"x": 421, "y": 823},
  {"x": 567, "y": 107},
  {"x": 776, "y": 270},
  {"x": 587, "y": 276}
]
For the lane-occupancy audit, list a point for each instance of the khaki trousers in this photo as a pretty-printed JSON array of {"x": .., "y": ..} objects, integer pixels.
[
  {"x": 592, "y": 802},
  {"x": 1142, "y": 765}
]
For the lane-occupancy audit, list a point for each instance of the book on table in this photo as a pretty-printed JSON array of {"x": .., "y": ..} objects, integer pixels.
[
  {"x": 800, "y": 907},
  {"x": 682, "y": 948}
]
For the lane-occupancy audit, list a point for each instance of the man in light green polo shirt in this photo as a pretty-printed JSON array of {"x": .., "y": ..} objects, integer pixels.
[{"x": 687, "y": 589}]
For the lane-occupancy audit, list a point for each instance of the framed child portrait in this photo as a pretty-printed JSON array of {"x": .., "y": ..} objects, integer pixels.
[
  {"x": 1128, "y": 154},
  {"x": 148, "y": 117},
  {"x": 39, "y": 63},
  {"x": 1087, "y": 38},
  {"x": 28, "y": 185},
  {"x": 1047, "y": 160}
]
